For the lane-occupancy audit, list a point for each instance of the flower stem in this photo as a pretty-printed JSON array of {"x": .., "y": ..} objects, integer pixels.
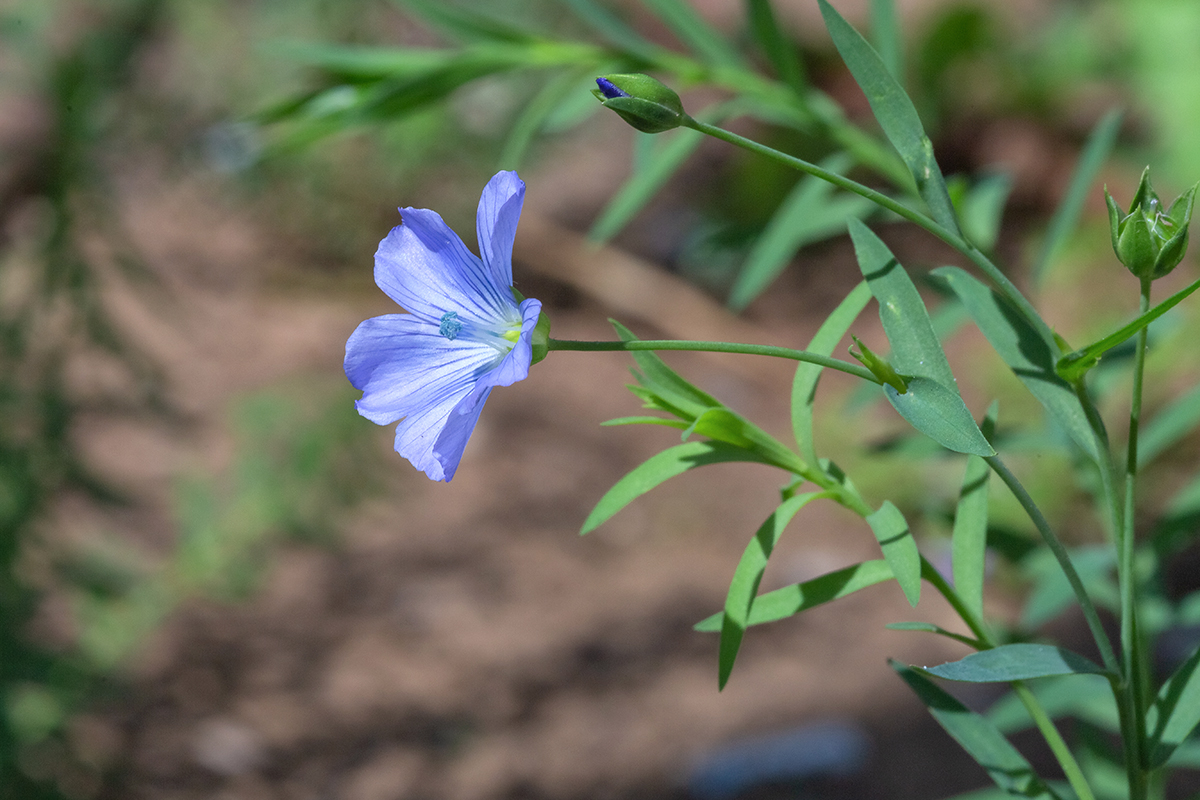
[
  {"x": 1064, "y": 561},
  {"x": 1131, "y": 645},
  {"x": 948, "y": 236},
  {"x": 1062, "y": 753},
  {"x": 719, "y": 347}
]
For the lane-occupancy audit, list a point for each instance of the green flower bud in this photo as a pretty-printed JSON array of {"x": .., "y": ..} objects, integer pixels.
[
  {"x": 1149, "y": 241},
  {"x": 643, "y": 102},
  {"x": 879, "y": 367}
]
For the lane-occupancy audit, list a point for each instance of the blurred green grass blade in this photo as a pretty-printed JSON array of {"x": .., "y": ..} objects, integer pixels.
[
  {"x": 746, "y": 578},
  {"x": 1085, "y": 697},
  {"x": 659, "y": 468},
  {"x": 1099, "y": 144},
  {"x": 1051, "y": 593},
  {"x": 1168, "y": 426},
  {"x": 699, "y": 37},
  {"x": 979, "y": 737},
  {"x": 899, "y": 549},
  {"x": 1016, "y": 662},
  {"x": 931, "y": 403},
  {"x": 1175, "y": 712},
  {"x": 536, "y": 114},
  {"x": 895, "y": 113},
  {"x": 614, "y": 30},
  {"x": 888, "y": 38},
  {"x": 804, "y": 385},
  {"x": 669, "y": 152},
  {"x": 811, "y": 212},
  {"x": 791, "y": 600},
  {"x": 969, "y": 537},
  {"x": 775, "y": 44},
  {"x": 1028, "y": 355},
  {"x": 359, "y": 62},
  {"x": 982, "y": 210},
  {"x": 464, "y": 23}
]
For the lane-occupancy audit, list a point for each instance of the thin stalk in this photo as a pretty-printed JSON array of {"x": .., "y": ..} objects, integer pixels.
[
  {"x": 1064, "y": 561},
  {"x": 1045, "y": 725},
  {"x": 720, "y": 347},
  {"x": 1135, "y": 751},
  {"x": 916, "y": 217}
]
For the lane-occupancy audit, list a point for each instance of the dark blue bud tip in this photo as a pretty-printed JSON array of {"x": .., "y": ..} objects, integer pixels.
[{"x": 609, "y": 89}]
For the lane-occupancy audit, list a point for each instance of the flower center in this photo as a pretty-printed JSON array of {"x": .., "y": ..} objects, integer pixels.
[{"x": 450, "y": 326}]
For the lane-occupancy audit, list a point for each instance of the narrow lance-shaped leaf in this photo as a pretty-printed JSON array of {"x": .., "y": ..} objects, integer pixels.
[
  {"x": 899, "y": 548},
  {"x": 1168, "y": 426},
  {"x": 1099, "y": 144},
  {"x": 969, "y": 540},
  {"x": 746, "y": 578},
  {"x": 659, "y": 468},
  {"x": 1175, "y": 712},
  {"x": 895, "y": 113},
  {"x": 804, "y": 385},
  {"x": 810, "y": 213},
  {"x": 979, "y": 737},
  {"x": 931, "y": 403},
  {"x": 779, "y": 49},
  {"x": 888, "y": 38},
  {"x": 1016, "y": 662},
  {"x": 1073, "y": 365},
  {"x": 791, "y": 600},
  {"x": 1028, "y": 355},
  {"x": 705, "y": 41}
]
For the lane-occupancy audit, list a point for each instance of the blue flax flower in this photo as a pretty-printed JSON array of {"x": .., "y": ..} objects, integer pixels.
[{"x": 432, "y": 368}]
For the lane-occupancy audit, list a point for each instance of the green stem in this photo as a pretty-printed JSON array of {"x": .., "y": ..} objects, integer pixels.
[
  {"x": 1135, "y": 755},
  {"x": 719, "y": 347},
  {"x": 948, "y": 236},
  {"x": 1062, "y": 753},
  {"x": 1064, "y": 561}
]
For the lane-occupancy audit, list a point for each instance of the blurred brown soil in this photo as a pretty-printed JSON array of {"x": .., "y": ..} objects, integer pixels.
[{"x": 461, "y": 640}]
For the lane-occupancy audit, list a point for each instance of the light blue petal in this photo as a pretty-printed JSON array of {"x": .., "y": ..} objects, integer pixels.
[
  {"x": 426, "y": 268},
  {"x": 405, "y": 368},
  {"x": 447, "y": 451},
  {"x": 496, "y": 224},
  {"x": 515, "y": 366}
]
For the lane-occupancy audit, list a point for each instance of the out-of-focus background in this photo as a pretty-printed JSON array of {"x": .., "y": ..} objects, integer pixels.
[{"x": 217, "y": 581}]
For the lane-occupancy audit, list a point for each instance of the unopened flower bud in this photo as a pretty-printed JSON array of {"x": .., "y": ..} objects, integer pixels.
[
  {"x": 642, "y": 101},
  {"x": 1149, "y": 240}
]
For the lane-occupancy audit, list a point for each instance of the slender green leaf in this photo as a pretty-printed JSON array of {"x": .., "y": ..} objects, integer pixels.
[
  {"x": 666, "y": 383},
  {"x": 746, "y": 578},
  {"x": 929, "y": 627},
  {"x": 659, "y": 468},
  {"x": 969, "y": 540},
  {"x": 1073, "y": 365},
  {"x": 1085, "y": 697},
  {"x": 931, "y": 403},
  {"x": 1029, "y": 356},
  {"x": 899, "y": 549},
  {"x": 887, "y": 36},
  {"x": 982, "y": 210},
  {"x": 791, "y": 600},
  {"x": 810, "y": 213},
  {"x": 1052, "y": 594},
  {"x": 1099, "y": 144},
  {"x": 1016, "y": 662},
  {"x": 614, "y": 30},
  {"x": 672, "y": 150},
  {"x": 670, "y": 423},
  {"x": 895, "y": 113},
  {"x": 780, "y": 51},
  {"x": 1168, "y": 426},
  {"x": 804, "y": 385},
  {"x": 535, "y": 115},
  {"x": 700, "y": 37},
  {"x": 464, "y": 22},
  {"x": 979, "y": 737},
  {"x": 1175, "y": 712}
]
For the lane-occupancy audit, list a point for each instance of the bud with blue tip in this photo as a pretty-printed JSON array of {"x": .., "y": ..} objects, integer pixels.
[
  {"x": 1149, "y": 240},
  {"x": 642, "y": 101}
]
